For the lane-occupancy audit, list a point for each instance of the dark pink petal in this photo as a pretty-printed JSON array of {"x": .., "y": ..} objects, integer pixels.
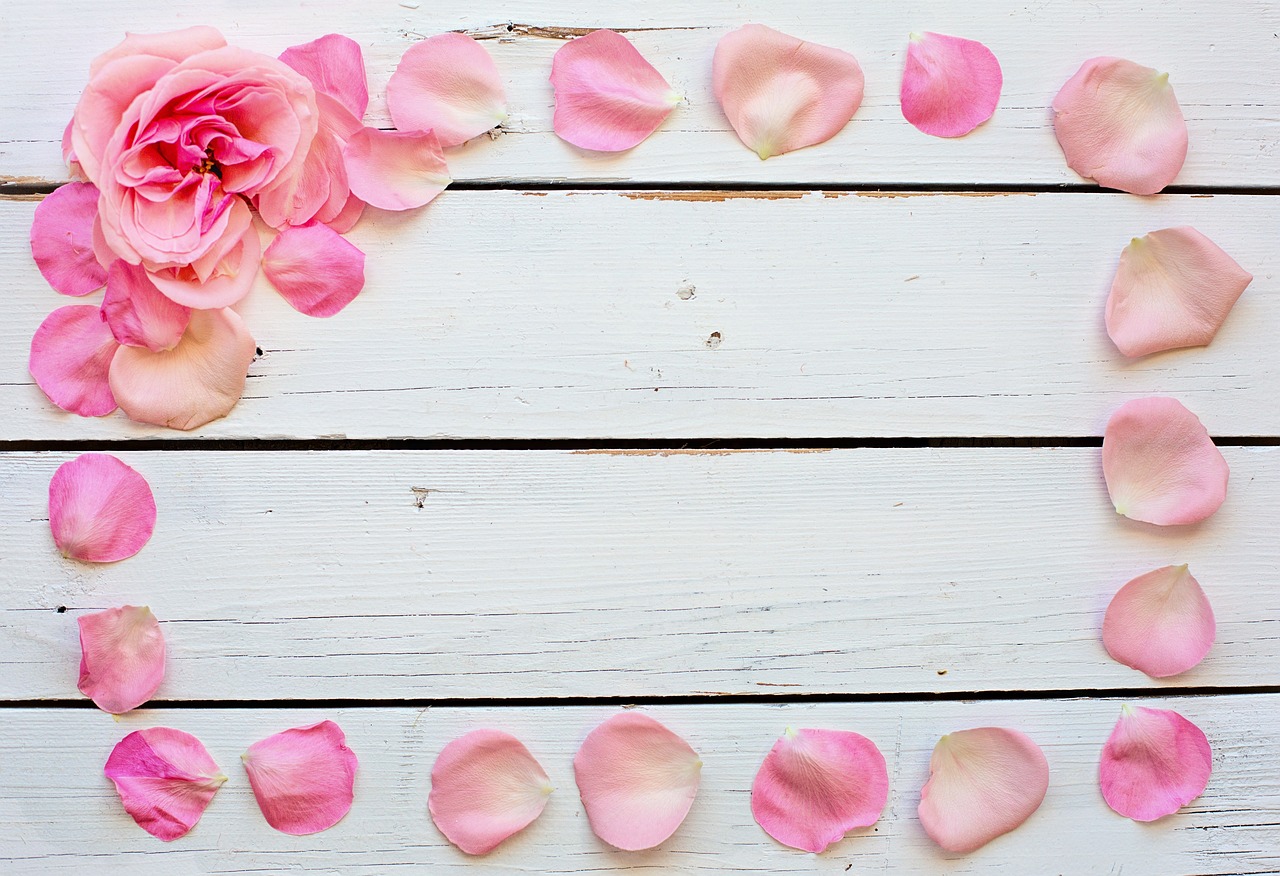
[
  {"x": 121, "y": 657},
  {"x": 486, "y": 786},
  {"x": 138, "y": 314},
  {"x": 448, "y": 84},
  {"x": 1155, "y": 762},
  {"x": 100, "y": 510},
  {"x": 1119, "y": 124},
  {"x": 781, "y": 93},
  {"x": 608, "y": 97},
  {"x": 982, "y": 784},
  {"x": 395, "y": 170},
  {"x": 815, "y": 786},
  {"x": 637, "y": 780},
  {"x": 1160, "y": 623},
  {"x": 165, "y": 778},
  {"x": 1174, "y": 288},
  {"x": 71, "y": 353},
  {"x": 335, "y": 66},
  {"x": 315, "y": 269},
  {"x": 62, "y": 239},
  {"x": 304, "y": 778},
  {"x": 1161, "y": 465},
  {"x": 950, "y": 85}
]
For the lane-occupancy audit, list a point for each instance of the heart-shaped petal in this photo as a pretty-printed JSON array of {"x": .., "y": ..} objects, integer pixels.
[
  {"x": 303, "y": 778},
  {"x": 139, "y": 314},
  {"x": 100, "y": 510},
  {"x": 71, "y": 355},
  {"x": 950, "y": 85},
  {"x": 335, "y": 66},
  {"x": 121, "y": 657},
  {"x": 448, "y": 84},
  {"x": 395, "y": 170},
  {"x": 165, "y": 778},
  {"x": 1160, "y": 623},
  {"x": 1154, "y": 763},
  {"x": 315, "y": 269},
  {"x": 62, "y": 239}
]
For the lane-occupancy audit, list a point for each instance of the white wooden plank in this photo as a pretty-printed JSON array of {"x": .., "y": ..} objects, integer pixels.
[
  {"x": 544, "y": 574},
  {"x": 503, "y": 314},
  {"x": 1223, "y": 57},
  {"x": 59, "y": 815}
]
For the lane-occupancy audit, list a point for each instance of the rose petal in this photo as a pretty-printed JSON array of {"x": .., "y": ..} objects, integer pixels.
[
  {"x": 395, "y": 170},
  {"x": 230, "y": 281},
  {"x": 348, "y": 216},
  {"x": 486, "y": 786},
  {"x": 62, "y": 239},
  {"x": 173, "y": 45},
  {"x": 1174, "y": 288},
  {"x": 100, "y": 510},
  {"x": 197, "y": 381},
  {"x": 950, "y": 85},
  {"x": 1160, "y": 623},
  {"x": 781, "y": 93},
  {"x": 69, "y": 154},
  {"x": 138, "y": 314},
  {"x": 815, "y": 786},
  {"x": 71, "y": 353},
  {"x": 1119, "y": 124},
  {"x": 304, "y": 778},
  {"x": 1160, "y": 464},
  {"x": 982, "y": 784},
  {"x": 608, "y": 97},
  {"x": 165, "y": 778},
  {"x": 637, "y": 780},
  {"x": 315, "y": 269},
  {"x": 335, "y": 66},
  {"x": 121, "y": 657},
  {"x": 448, "y": 84},
  {"x": 1154, "y": 763}
]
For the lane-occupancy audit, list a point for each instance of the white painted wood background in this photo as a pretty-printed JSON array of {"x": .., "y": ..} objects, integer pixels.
[{"x": 381, "y": 577}]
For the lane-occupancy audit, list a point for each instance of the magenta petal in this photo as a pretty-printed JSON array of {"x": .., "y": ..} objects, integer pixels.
[
  {"x": 121, "y": 657},
  {"x": 815, "y": 786},
  {"x": 138, "y": 313},
  {"x": 316, "y": 270},
  {"x": 486, "y": 786},
  {"x": 1160, "y": 623},
  {"x": 448, "y": 84},
  {"x": 335, "y": 66},
  {"x": 62, "y": 239},
  {"x": 395, "y": 170},
  {"x": 1155, "y": 762},
  {"x": 100, "y": 510},
  {"x": 71, "y": 355},
  {"x": 165, "y": 778},
  {"x": 950, "y": 85},
  {"x": 304, "y": 778}
]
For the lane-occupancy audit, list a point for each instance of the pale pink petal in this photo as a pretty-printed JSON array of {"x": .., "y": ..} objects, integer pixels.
[
  {"x": 637, "y": 780},
  {"x": 199, "y": 380},
  {"x": 165, "y": 778},
  {"x": 608, "y": 97},
  {"x": 1160, "y": 623},
  {"x": 781, "y": 93},
  {"x": 1119, "y": 124},
  {"x": 62, "y": 239},
  {"x": 315, "y": 269},
  {"x": 173, "y": 45},
  {"x": 448, "y": 84},
  {"x": 335, "y": 66},
  {"x": 69, "y": 153},
  {"x": 100, "y": 510},
  {"x": 395, "y": 170},
  {"x": 1155, "y": 762},
  {"x": 71, "y": 353},
  {"x": 229, "y": 279},
  {"x": 138, "y": 314},
  {"x": 304, "y": 778},
  {"x": 486, "y": 786},
  {"x": 950, "y": 84},
  {"x": 121, "y": 657},
  {"x": 982, "y": 784},
  {"x": 1161, "y": 465},
  {"x": 815, "y": 786},
  {"x": 1174, "y": 288},
  {"x": 348, "y": 216}
]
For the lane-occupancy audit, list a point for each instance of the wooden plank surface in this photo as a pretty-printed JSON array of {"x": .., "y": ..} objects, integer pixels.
[{"x": 1223, "y": 58}]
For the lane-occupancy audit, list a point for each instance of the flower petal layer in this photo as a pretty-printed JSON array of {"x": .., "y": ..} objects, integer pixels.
[
  {"x": 950, "y": 85},
  {"x": 165, "y": 778},
  {"x": 1119, "y": 124},
  {"x": 121, "y": 657},
  {"x": 138, "y": 314},
  {"x": 71, "y": 353},
  {"x": 1161, "y": 465},
  {"x": 395, "y": 170},
  {"x": 62, "y": 239},
  {"x": 315, "y": 269},
  {"x": 637, "y": 780},
  {"x": 1155, "y": 762},
  {"x": 1174, "y": 288},
  {"x": 486, "y": 786},
  {"x": 100, "y": 510},
  {"x": 608, "y": 97},
  {"x": 781, "y": 93},
  {"x": 815, "y": 786},
  {"x": 448, "y": 84},
  {"x": 1160, "y": 623},
  {"x": 304, "y": 778},
  {"x": 335, "y": 66},
  {"x": 199, "y": 380},
  {"x": 982, "y": 784}
]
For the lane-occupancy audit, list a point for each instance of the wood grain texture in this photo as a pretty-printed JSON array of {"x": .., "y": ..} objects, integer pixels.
[
  {"x": 546, "y": 574},
  {"x": 1223, "y": 57}
]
